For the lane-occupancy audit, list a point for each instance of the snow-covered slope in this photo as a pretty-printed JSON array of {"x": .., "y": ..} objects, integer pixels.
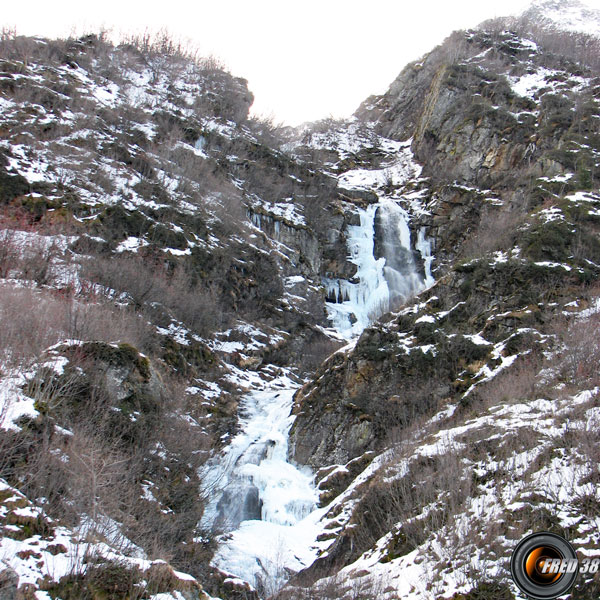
[
  {"x": 565, "y": 15},
  {"x": 173, "y": 256}
]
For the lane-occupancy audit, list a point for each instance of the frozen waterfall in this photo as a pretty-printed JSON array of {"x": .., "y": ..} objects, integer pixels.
[
  {"x": 387, "y": 273},
  {"x": 265, "y": 505},
  {"x": 253, "y": 480}
]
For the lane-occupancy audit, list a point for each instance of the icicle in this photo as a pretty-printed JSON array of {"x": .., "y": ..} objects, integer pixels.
[{"x": 423, "y": 245}]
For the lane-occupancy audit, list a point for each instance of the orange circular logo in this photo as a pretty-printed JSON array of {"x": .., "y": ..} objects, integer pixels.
[{"x": 544, "y": 566}]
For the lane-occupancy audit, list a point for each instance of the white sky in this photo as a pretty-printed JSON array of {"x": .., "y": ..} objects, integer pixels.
[{"x": 303, "y": 60}]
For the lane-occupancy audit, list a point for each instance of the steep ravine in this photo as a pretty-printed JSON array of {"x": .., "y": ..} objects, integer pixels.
[{"x": 264, "y": 504}]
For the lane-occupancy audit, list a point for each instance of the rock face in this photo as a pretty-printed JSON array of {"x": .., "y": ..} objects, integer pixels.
[
  {"x": 361, "y": 401},
  {"x": 466, "y": 121},
  {"x": 488, "y": 144},
  {"x": 9, "y": 581}
]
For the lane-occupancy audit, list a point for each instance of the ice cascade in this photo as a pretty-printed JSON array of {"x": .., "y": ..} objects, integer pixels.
[
  {"x": 387, "y": 273},
  {"x": 265, "y": 505}
]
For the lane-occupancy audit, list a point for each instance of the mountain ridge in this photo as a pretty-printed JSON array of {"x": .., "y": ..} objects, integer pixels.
[{"x": 571, "y": 15}]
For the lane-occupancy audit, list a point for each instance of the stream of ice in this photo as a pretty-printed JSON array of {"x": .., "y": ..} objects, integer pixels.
[
  {"x": 265, "y": 506},
  {"x": 387, "y": 273}
]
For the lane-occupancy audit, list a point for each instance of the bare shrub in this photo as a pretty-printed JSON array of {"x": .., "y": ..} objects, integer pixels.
[
  {"x": 335, "y": 588},
  {"x": 197, "y": 307},
  {"x": 454, "y": 49},
  {"x": 147, "y": 282},
  {"x": 164, "y": 54},
  {"x": 578, "y": 46},
  {"x": 316, "y": 352},
  {"x": 166, "y": 530},
  {"x": 33, "y": 320},
  {"x": 32, "y": 261},
  {"x": 496, "y": 230},
  {"x": 162, "y": 42},
  {"x": 104, "y": 321},
  {"x": 515, "y": 383},
  {"x": 414, "y": 505},
  {"x": 140, "y": 280},
  {"x": 92, "y": 575},
  {"x": 579, "y": 360},
  {"x": 9, "y": 252},
  {"x": 83, "y": 479},
  {"x": 16, "y": 47},
  {"x": 197, "y": 178},
  {"x": 98, "y": 478},
  {"x": 36, "y": 263},
  {"x": 267, "y": 130}
]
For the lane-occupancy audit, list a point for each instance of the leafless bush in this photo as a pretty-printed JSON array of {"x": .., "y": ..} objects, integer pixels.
[
  {"x": 33, "y": 320},
  {"x": 99, "y": 479},
  {"x": 161, "y": 42},
  {"x": 579, "y": 360},
  {"x": 422, "y": 500},
  {"x": 267, "y": 130},
  {"x": 515, "y": 383},
  {"x": 32, "y": 262},
  {"x": 195, "y": 306},
  {"x": 83, "y": 479},
  {"x": 454, "y": 49},
  {"x": 578, "y": 46},
  {"x": 496, "y": 230},
  {"x": 582, "y": 438},
  {"x": 125, "y": 274},
  {"x": 148, "y": 282},
  {"x": 36, "y": 263},
  {"x": 581, "y": 47},
  {"x": 315, "y": 353},
  {"x": 197, "y": 177},
  {"x": 100, "y": 320},
  {"x": 16, "y": 47},
  {"x": 93, "y": 477},
  {"x": 335, "y": 588},
  {"x": 167, "y": 55},
  {"x": 9, "y": 252},
  {"x": 166, "y": 530}
]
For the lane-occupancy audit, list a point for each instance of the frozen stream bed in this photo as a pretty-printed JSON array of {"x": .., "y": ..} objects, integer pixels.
[{"x": 266, "y": 507}]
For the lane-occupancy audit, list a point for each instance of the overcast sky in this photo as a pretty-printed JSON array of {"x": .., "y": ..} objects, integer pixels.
[{"x": 303, "y": 60}]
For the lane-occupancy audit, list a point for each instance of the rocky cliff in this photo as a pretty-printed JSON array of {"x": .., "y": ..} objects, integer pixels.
[{"x": 439, "y": 398}]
